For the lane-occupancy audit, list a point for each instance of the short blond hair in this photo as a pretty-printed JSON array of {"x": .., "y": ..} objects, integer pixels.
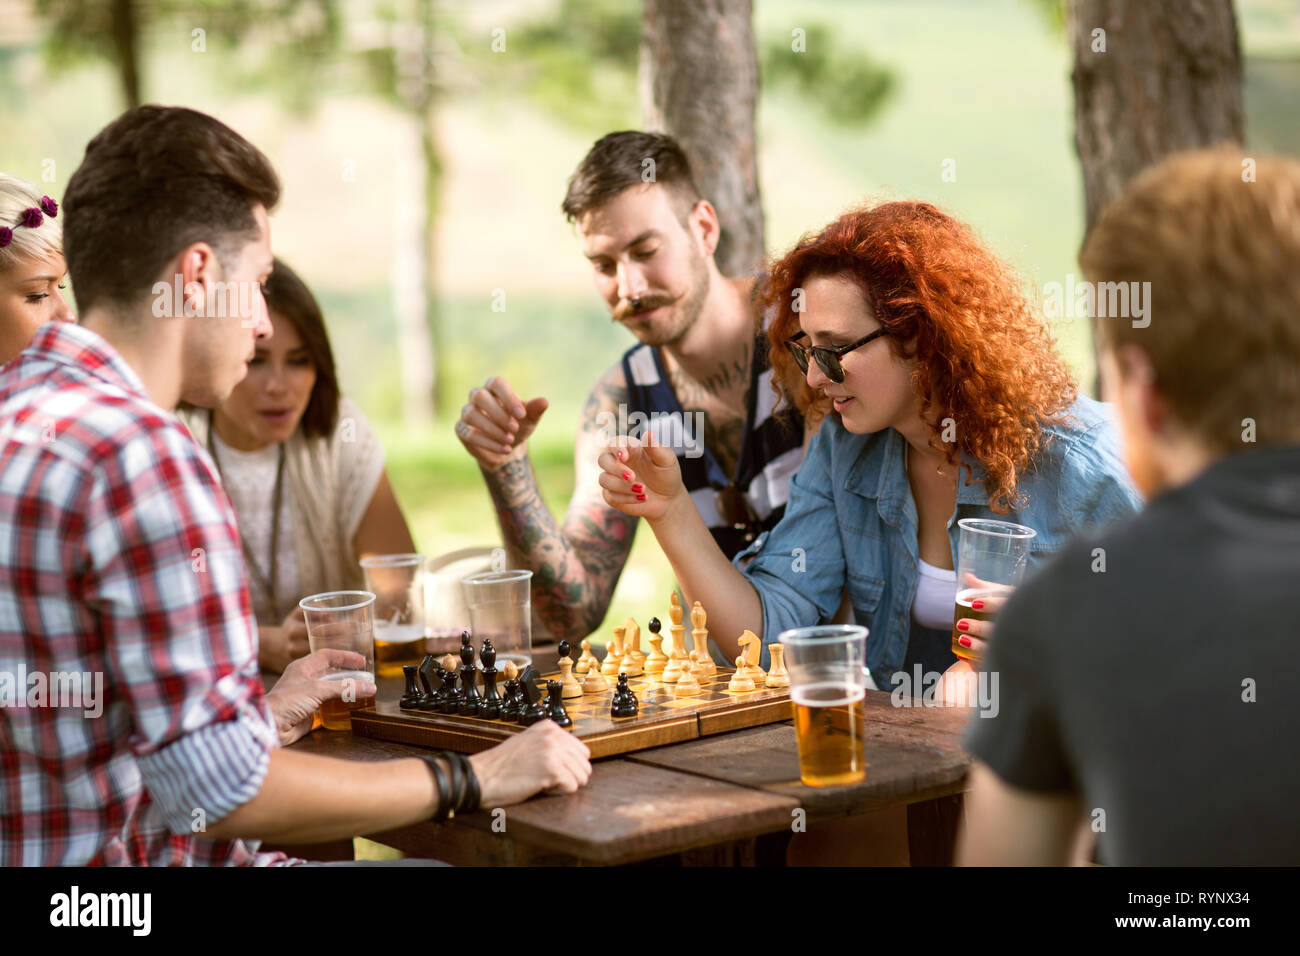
[
  {"x": 1217, "y": 234},
  {"x": 43, "y": 242}
]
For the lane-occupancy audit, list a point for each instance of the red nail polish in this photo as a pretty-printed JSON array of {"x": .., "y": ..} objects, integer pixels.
[
  {"x": 638, "y": 489},
  {"x": 640, "y": 497},
  {"x": 964, "y": 641},
  {"x": 977, "y": 605},
  {"x": 627, "y": 476},
  {"x": 963, "y": 626}
]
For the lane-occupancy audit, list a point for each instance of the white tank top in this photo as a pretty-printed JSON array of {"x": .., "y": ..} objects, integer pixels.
[{"x": 936, "y": 596}]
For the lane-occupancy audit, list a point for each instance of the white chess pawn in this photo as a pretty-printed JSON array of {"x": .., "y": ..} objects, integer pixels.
[{"x": 740, "y": 683}]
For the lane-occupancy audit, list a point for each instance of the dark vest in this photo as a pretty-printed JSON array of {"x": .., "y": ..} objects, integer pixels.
[{"x": 735, "y": 511}]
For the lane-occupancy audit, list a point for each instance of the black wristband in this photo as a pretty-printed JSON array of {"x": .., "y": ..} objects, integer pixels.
[
  {"x": 445, "y": 805},
  {"x": 457, "y": 782},
  {"x": 474, "y": 796}
]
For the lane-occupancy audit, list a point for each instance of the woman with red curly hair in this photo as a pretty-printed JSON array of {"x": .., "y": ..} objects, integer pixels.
[{"x": 941, "y": 399}]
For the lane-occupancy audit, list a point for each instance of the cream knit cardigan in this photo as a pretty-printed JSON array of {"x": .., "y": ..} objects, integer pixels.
[{"x": 330, "y": 484}]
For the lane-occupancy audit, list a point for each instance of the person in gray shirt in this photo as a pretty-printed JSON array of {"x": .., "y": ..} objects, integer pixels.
[{"x": 1144, "y": 674}]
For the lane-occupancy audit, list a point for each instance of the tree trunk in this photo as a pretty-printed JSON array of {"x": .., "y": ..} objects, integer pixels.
[
  {"x": 126, "y": 35},
  {"x": 699, "y": 84},
  {"x": 420, "y": 177},
  {"x": 1169, "y": 79}
]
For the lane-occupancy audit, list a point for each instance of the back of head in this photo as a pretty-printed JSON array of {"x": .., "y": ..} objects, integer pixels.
[
  {"x": 27, "y": 243},
  {"x": 155, "y": 180},
  {"x": 1221, "y": 251},
  {"x": 629, "y": 158}
]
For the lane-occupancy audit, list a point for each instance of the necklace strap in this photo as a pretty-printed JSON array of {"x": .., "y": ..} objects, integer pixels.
[{"x": 268, "y": 583}]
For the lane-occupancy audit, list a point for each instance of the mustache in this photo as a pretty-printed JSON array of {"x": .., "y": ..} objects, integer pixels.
[{"x": 629, "y": 308}]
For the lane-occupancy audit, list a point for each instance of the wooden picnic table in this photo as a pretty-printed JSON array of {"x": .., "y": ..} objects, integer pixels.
[{"x": 733, "y": 798}]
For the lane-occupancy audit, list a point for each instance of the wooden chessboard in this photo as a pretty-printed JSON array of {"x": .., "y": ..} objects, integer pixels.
[{"x": 661, "y": 718}]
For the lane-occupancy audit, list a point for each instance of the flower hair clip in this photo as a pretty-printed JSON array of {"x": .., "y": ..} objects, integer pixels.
[{"x": 31, "y": 218}]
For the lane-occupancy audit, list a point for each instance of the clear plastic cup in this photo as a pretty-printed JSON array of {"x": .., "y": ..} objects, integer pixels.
[
  {"x": 501, "y": 608},
  {"x": 343, "y": 620},
  {"x": 828, "y": 683},
  {"x": 397, "y": 581},
  {"x": 991, "y": 560}
]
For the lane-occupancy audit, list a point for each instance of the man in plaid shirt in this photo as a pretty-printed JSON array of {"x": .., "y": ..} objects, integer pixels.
[{"x": 121, "y": 577}]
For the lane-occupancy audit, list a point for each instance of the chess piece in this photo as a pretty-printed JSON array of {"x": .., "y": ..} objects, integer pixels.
[
  {"x": 533, "y": 710},
  {"x": 489, "y": 706},
  {"x": 673, "y": 670},
  {"x": 451, "y": 695},
  {"x": 740, "y": 683},
  {"x": 411, "y": 695},
  {"x": 704, "y": 666},
  {"x": 613, "y": 654},
  {"x": 428, "y": 671},
  {"x": 468, "y": 706},
  {"x": 777, "y": 675},
  {"x": 632, "y": 642},
  {"x": 688, "y": 685},
  {"x": 510, "y": 705},
  {"x": 751, "y": 647},
  {"x": 628, "y": 664},
  {"x": 555, "y": 704},
  {"x": 569, "y": 687},
  {"x": 586, "y": 660},
  {"x": 623, "y": 703},
  {"x": 656, "y": 660},
  {"x": 596, "y": 682}
]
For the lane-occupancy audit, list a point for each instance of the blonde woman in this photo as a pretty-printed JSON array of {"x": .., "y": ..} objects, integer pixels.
[{"x": 32, "y": 269}]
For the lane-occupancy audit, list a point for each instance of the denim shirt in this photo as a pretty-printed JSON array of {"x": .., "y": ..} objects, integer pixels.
[{"x": 851, "y": 520}]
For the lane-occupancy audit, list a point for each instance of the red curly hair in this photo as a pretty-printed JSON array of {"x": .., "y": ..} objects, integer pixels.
[{"x": 982, "y": 357}]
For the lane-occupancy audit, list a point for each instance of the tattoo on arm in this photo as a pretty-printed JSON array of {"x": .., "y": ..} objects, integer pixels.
[{"x": 575, "y": 567}]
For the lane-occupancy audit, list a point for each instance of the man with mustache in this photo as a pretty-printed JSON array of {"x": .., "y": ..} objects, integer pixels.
[{"x": 650, "y": 238}]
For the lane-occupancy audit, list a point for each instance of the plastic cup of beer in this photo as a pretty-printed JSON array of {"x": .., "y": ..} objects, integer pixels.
[
  {"x": 991, "y": 559},
  {"x": 828, "y": 681},
  {"x": 343, "y": 620},
  {"x": 397, "y": 581},
  {"x": 501, "y": 608}
]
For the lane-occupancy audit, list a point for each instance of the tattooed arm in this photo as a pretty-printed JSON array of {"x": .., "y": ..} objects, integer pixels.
[{"x": 575, "y": 566}]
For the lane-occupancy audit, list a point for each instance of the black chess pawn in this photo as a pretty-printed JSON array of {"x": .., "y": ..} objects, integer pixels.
[
  {"x": 623, "y": 703},
  {"x": 555, "y": 705},
  {"x": 510, "y": 705},
  {"x": 450, "y": 695},
  {"x": 534, "y": 710},
  {"x": 490, "y": 704},
  {"x": 411, "y": 696}
]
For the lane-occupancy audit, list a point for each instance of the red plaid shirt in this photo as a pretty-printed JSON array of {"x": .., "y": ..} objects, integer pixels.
[{"x": 120, "y": 563}]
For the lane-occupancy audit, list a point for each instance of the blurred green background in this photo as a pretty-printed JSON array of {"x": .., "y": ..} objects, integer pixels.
[{"x": 985, "y": 84}]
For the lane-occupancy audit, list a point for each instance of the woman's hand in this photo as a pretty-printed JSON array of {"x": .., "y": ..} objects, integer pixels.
[
  {"x": 280, "y": 646},
  {"x": 642, "y": 480},
  {"x": 976, "y": 633}
]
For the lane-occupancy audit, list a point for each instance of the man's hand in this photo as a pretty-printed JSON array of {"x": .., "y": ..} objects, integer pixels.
[
  {"x": 495, "y": 424},
  {"x": 543, "y": 757},
  {"x": 278, "y": 646},
  {"x": 298, "y": 694}
]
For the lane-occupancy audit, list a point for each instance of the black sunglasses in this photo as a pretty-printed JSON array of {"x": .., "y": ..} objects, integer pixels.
[{"x": 827, "y": 358}]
